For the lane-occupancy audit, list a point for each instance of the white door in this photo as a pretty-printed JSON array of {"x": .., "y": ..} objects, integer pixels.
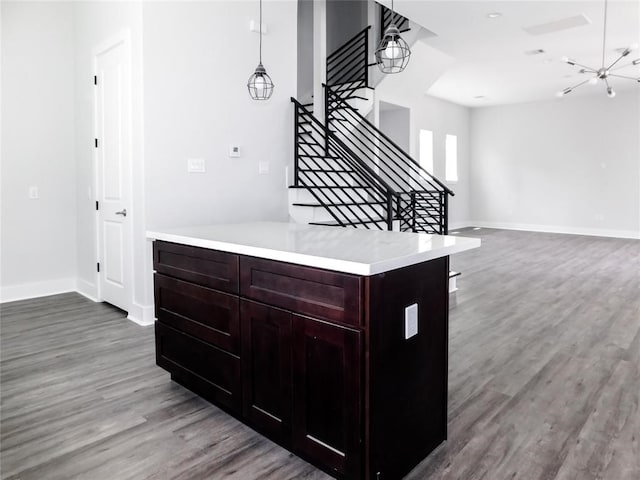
[{"x": 113, "y": 158}]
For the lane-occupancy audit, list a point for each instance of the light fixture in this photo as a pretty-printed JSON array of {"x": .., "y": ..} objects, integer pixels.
[
  {"x": 494, "y": 15},
  {"x": 392, "y": 54},
  {"x": 260, "y": 85},
  {"x": 603, "y": 73}
]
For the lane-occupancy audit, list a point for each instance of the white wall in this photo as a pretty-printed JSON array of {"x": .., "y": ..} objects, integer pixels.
[
  {"x": 442, "y": 118},
  {"x": 396, "y": 124},
  {"x": 96, "y": 23},
  {"x": 38, "y": 236},
  {"x": 196, "y": 69},
  {"x": 570, "y": 165}
]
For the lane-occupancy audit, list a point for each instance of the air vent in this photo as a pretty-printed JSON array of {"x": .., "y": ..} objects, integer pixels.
[
  {"x": 537, "y": 51},
  {"x": 558, "y": 25}
]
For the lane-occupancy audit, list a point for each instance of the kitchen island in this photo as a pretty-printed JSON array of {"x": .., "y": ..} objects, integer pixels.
[{"x": 330, "y": 341}]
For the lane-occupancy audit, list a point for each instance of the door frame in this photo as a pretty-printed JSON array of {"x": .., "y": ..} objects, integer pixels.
[{"x": 123, "y": 37}]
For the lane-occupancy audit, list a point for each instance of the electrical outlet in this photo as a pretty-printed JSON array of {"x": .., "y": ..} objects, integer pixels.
[
  {"x": 263, "y": 168},
  {"x": 410, "y": 321},
  {"x": 33, "y": 192},
  {"x": 196, "y": 165}
]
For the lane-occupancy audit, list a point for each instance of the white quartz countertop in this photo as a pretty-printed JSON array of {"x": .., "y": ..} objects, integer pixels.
[{"x": 348, "y": 250}]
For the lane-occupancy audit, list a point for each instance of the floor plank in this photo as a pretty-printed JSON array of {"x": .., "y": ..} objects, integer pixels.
[{"x": 544, "y": 380}]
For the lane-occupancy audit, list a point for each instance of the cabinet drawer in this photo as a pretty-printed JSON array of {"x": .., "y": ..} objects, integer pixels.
[
  {"x": 209, "y": 371},
  {"x": 309, "y": 291},
  {"x": 199, "y": 311},
  {"x": 206, "y": 267}
]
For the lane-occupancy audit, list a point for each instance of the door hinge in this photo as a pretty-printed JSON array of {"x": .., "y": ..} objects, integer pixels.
[
  {"x": 95, "y": 79},
  {"x": 96, "y": 204},
  {"x": 98, "y": 266},
  {"x": 95, "y": 141}
]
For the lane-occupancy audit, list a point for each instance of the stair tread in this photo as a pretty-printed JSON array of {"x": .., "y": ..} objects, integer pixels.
[
  {"x": 344, "y": 204},
  {"x": 453, "y": 274},
  {"x": 324, "y": 170},
  {"x": 326, "y": 157},
  {"x": 333, "y": 223},
  {"x": 343, "y": 187}
]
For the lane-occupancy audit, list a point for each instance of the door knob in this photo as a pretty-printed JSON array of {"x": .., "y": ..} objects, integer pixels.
[{"x": 122, "y": 212}]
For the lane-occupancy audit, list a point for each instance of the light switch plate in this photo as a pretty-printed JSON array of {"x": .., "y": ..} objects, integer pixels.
[
  {"x": 196, "y": 165},
  {"x": 410, "y": 321},
  {"x": 33, "y": 192},
  {"x": 263, "y": 168},
  {"x": 234, "y": 151}
]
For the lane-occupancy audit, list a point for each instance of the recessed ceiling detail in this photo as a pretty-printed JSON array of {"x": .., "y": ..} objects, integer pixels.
[{"x": 558, "y": 25}]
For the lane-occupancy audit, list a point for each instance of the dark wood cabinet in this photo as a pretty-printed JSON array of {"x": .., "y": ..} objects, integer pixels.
[
  {"x": 316, "y": 360},
  {"x": 267, "y": 369},
  {"x": 327, "y": 395}
]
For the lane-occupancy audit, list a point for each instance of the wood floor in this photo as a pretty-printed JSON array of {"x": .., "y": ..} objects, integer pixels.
[{"x": 544, "y": 380}]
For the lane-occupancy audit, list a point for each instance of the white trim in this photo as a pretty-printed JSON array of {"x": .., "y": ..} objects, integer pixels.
[
  {"x": 595, "y": 232},
  {"x": 88, "y": 290},
  {"x": 459, "y": 225},
  {"x": 37, "y": 289},
  {"x": 143, "y": 315}
]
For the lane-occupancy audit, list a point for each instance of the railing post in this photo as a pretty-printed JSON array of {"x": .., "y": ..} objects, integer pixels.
[
  {"x": 366, "y": 57},
  {"x": 327, "y": 93},
  {"x": 389, "y": 211},
  {"x": 296, "y": 124},
  {"x": 445, "y": 213},
  {"x": 413, "y": 211}
]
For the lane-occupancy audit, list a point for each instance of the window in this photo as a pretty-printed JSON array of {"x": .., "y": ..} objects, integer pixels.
[
  {"x": 451, "y": 158},
  {"x": 426, "y": 150}
]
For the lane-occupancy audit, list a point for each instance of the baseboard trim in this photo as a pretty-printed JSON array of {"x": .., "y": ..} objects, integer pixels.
[
  {"x": 459, "y": 225},
  {"x": 142, "y": 315},
  {"x": 88, "y": 290},
  {"x": 26, "y": 291},
  {"x": 592, "y": 232}
]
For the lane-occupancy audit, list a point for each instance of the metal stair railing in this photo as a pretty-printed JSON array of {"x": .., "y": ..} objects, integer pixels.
[
  {"x": 387, "y": 17},
  {"x": 349, "y": 64},
  {"x": 422, "y": 199},
  {"x": 339, "y": 181}
]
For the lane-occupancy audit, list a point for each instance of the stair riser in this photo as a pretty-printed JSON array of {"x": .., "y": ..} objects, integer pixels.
[
  {"x": 302, "y": 195},
  {"x": 321, "y": 214},
  {"x": 329, "y": 179}
]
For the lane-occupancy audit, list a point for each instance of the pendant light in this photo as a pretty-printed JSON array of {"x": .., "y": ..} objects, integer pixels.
[
  {"x": 604, "y": 72},
  {"x": 260, "y": 85},
  {"x": 392, "y": 54}
]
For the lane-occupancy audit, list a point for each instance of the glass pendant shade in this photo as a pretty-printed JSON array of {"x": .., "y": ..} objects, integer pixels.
[
  {"x": 260, "y": 85},
  {"x": 392, "y": 54}
]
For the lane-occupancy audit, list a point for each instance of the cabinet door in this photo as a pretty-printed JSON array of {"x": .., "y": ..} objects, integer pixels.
[
  {"x": 266, "y": 363},
  {"x": 327, "y": 395}
]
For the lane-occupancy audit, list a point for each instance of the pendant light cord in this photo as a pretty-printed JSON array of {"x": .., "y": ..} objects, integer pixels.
[
  {"x": 261, "y": 31},
  {"x": 604, "y": 34}
]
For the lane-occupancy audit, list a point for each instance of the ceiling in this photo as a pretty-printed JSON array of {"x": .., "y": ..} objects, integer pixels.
[{"x": 489, "y": 53}]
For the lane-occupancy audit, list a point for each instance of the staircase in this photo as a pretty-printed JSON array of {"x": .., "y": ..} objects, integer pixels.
[{"x": 349, "y": 173}]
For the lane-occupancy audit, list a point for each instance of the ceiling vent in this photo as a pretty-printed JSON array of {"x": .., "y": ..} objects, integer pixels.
[{"x": 558, "y": 25}]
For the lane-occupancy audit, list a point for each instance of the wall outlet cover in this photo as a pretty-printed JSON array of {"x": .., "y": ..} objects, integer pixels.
[
  {"x": 410, "y": 321},
  {"x": 196, "y": 165}
]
